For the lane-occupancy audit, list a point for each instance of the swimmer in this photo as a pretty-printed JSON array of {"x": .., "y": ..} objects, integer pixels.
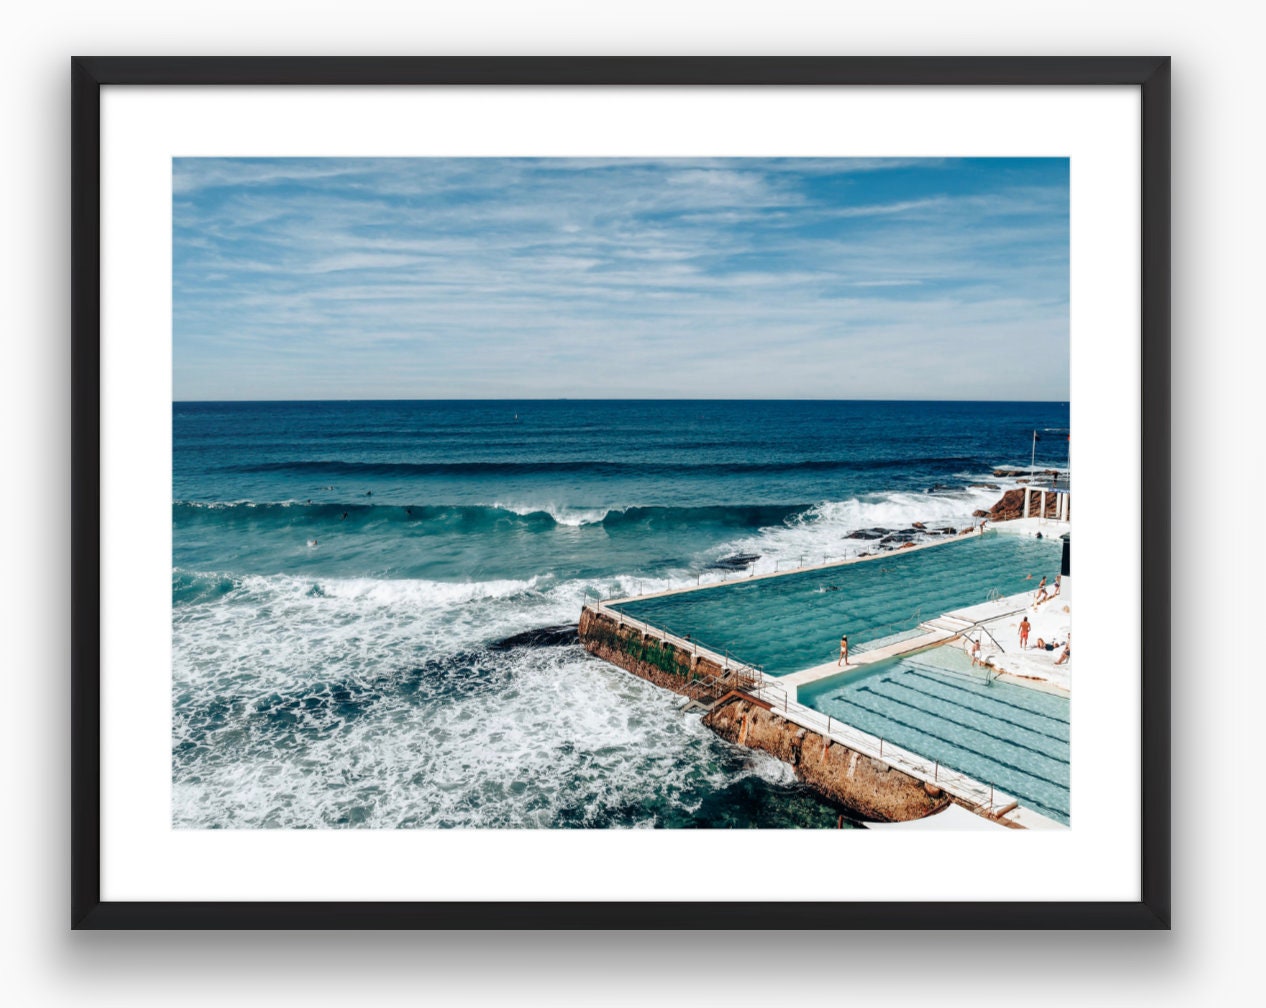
[
  {"x": 344, "y": 516},
  {"x": 369, "y": 493},
  {"x": 312, "y": 542},
  {"x": 843, "y": 652},
  {"x": 975, "y": 653}
]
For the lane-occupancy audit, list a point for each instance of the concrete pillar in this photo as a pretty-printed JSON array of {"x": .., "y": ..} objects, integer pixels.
[
  {"x": 1026, "y": 502},
  {"x": 1042, "y": 507}
]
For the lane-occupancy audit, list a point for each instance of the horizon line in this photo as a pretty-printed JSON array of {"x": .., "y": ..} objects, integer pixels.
[{"x": 355, "y": 399}]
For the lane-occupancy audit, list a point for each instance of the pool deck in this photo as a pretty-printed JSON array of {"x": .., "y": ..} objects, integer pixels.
[
  {"x": 1001, "y": 619},
  {"x": 858, "y": 659}
]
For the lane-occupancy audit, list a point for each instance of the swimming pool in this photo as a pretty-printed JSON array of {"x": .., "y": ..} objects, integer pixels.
[
  {"x": 937, "y": 705},
  {"x": 794, "y": 621}
]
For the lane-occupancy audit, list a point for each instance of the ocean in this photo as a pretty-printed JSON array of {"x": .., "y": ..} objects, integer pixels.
[{"x": 373, "y": 603}]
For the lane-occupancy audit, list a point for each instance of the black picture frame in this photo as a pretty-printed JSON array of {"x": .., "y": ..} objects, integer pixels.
[{"x": 1151, "y": 75}]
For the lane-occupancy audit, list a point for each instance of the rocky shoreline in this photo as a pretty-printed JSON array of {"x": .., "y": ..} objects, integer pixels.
[{"x": 1011, "y": 506}]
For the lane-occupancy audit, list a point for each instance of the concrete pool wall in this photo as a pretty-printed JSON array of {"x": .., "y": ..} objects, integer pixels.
[{"x": 740, "y": 706}]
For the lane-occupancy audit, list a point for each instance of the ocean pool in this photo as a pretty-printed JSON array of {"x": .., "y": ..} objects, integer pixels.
[
  {"x": 935, "y": 704},
  {"x": 794, "y": 621}
]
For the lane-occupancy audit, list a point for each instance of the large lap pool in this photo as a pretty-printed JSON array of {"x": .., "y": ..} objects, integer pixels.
[
  {"x": 794, "y": 621},
  {"x": 937, "y": 705}
]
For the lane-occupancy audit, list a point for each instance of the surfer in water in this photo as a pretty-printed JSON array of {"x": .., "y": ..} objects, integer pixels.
[{"x": 311, "y": 543}]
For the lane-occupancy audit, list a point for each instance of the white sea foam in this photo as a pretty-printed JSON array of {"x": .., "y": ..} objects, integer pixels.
[
  {"x": 543, "y": 739},
  {"x": 824, "y": 532},
  {"x": 563, "y": 515}
]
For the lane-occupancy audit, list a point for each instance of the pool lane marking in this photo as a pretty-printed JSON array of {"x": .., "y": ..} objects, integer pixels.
[
  {"x": 958, "y": 746},
  {"x": 912, "y": 674},
  {"x": 964, "y": 724}
]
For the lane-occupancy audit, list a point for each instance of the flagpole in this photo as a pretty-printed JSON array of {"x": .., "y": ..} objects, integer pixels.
[{"x": 1033, "y": 457}]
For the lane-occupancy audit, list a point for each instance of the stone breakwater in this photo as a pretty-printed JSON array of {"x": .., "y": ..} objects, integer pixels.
[
  {"x": 869, "y": 788},
  {"x": 645, "y": 656}
]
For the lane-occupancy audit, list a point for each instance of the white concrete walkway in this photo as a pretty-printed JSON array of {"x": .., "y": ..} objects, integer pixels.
[{"x": 859, "y": 659}]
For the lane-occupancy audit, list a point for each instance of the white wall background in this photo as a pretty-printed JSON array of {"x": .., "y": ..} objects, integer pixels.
[{"x": 1218, "y": 221}]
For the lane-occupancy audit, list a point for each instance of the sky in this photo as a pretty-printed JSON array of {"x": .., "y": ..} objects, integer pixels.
[{"x": 515, "y": 278}]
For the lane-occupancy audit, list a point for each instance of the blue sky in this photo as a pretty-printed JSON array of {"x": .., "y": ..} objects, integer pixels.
[{"x": 332, "y": 278}]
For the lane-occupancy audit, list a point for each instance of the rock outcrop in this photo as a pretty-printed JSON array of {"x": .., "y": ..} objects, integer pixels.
[
  {"x": 1011, "y": 506},
  {"x": 869, "y": 787},
  {"x": 1026, "y": 472}
]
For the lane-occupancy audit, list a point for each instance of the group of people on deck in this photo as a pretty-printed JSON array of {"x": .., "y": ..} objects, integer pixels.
[
  {"x": 1025, "y": 627},
  {"x": 1042, "y": 595},
  {"x": 1044, "y": 645}
]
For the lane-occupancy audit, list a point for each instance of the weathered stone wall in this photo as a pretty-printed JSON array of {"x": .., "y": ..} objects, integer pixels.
[
  {"x": 869, "y": 787},
  {"x": 645, "y": 656}
]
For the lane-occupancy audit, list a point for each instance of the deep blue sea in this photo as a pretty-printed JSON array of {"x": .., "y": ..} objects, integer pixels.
[{"x": 347, "y": 578}]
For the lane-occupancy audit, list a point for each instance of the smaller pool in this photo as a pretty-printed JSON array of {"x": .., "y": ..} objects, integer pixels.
[{"x": 935, "y": 704}]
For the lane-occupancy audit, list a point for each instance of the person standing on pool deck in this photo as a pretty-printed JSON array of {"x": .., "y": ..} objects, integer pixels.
[
  {"x": 843, "y": 652},
  {"x": 1041, "y": 591},
  {"x": 1025, "y": 626}
]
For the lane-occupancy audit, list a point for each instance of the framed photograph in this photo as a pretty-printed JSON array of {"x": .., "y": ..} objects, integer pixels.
[{"x": 620, "y": 493}]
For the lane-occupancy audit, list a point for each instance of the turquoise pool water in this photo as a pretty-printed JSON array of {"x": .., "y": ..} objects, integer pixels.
[
  {"x": 784, "y": 624},
  {"x": 935, "y": 704}
]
